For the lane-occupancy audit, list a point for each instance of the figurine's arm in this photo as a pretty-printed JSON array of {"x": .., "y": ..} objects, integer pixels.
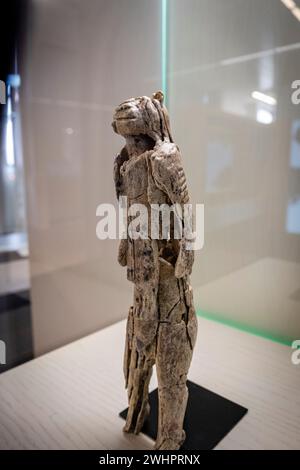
[
  {"x": 119, "y": 160},
  {"x": 169, "y": 176}
]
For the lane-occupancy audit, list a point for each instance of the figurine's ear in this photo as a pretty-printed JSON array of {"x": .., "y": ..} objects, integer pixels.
[
  {"x": 159, "y": 96},
  {"x": 163, "y": 113}
]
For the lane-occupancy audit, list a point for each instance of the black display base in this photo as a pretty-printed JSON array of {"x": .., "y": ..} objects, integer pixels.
[{"x": 209, "y": 417}]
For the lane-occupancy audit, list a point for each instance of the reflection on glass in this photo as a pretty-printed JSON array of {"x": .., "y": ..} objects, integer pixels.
[
  {"x": 9, "y": 135},
  {"x": 263, "y": 116},
  {"x": 293, "y": 216},
  {"x": 219, "y": 161},
  {"x": 295, "y": 145}
]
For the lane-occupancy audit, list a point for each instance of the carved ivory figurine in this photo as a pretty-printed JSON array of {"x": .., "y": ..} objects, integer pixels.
[{"x": 161, "y": 325}]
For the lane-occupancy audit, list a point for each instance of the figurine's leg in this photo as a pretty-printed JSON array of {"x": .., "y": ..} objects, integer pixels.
[
  {"x": 140, "y": 356},
  {"x": 140, "y": 372},
  {"x": 174, "y": 353}
]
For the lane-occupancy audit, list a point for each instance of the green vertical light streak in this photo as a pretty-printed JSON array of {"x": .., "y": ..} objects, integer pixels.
[{"x": 164, "y": 49}]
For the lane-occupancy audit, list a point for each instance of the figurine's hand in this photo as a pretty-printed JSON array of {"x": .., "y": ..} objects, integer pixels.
[
  {"x": 185, "y": 260},
  {"x": 122, "y": 253}
]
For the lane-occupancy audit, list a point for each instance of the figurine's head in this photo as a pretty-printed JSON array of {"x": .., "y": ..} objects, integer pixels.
[{"x": 143, "y": 115}]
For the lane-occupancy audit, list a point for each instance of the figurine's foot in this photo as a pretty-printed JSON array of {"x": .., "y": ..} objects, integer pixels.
[
  {"x": 136, "y": 427},
  {"x": 126, "y": 428},
  {"x": 168, "y": 443}
]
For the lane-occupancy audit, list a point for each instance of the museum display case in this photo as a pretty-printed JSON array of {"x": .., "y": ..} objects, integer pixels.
[{"x": 229, "y": 75}]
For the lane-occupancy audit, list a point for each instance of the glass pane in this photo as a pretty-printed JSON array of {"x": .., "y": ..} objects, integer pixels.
[{"x": 231, "y": 66}]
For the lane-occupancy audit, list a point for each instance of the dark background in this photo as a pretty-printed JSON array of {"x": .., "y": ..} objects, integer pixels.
[{"x": 13, "y": 15}]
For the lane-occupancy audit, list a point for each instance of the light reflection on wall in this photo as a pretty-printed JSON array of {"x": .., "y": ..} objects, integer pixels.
[
  {"x": 293, "y": 208},
  {"x": 219, "y": 161},
  {"x": 293, "y": 216},
  {"x": 295, "y": 145},
  {"x": 9, "y": 134},
  {"x": 12, "y": 178}
]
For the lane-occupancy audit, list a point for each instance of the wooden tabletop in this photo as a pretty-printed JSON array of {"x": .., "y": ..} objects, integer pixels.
[{"x": 71, "y": 397}]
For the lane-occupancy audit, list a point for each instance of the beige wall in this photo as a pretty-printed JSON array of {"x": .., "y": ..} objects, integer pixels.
[{"x": 83, "y": 58}]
